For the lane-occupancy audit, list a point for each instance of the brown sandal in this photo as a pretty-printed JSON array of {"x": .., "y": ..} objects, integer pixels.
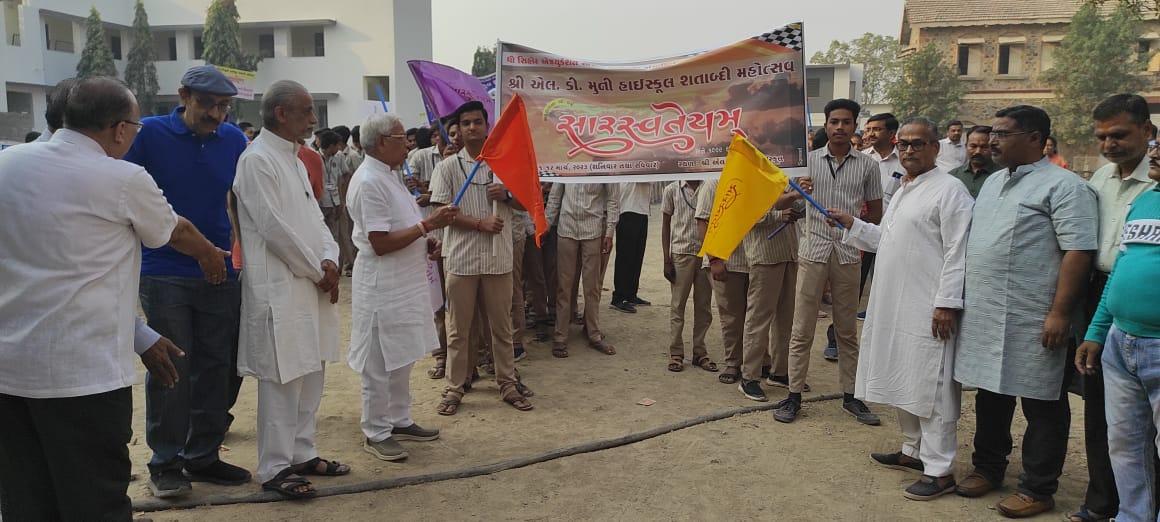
[
  {"x": 676, "y": 363},
  {"x": 450, "y": 403},
  {"x": 603, "y": 347},
  {"x": 730, "y": 376},
  {"x": 517, "y": 401},
  {"x": 560, "y": 350},
  {"x": 706, "y": 364},
  {"x": 438, "y": 371}
]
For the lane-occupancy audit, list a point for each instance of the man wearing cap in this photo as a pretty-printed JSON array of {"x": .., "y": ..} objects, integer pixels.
[{"x": 192, "y": 158}]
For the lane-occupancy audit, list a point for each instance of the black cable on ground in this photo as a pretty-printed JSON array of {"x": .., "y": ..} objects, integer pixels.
[{"x": 474, "y": 471}]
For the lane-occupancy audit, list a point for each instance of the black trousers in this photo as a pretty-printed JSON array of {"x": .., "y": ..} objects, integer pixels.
[
  {"x": 1044, "y": 441},
  {"x": 631, "y": 236},
  {"x": 65, "y": 459}
]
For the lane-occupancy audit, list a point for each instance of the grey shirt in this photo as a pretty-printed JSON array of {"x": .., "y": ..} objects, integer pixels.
[{"x": 845, "y": 187}]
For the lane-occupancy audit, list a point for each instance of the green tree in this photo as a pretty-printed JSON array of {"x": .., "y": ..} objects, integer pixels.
[
  {"x": 928, "y": 86},
  {"x": 1095, "y": 60},
  {"x": 484, "y": 61},
  {"x": 877, "y": 53},
  {"x": 223, "y": 39},
  {"x": 97, "y": 57},
  {"x": 140, "y": 71}
]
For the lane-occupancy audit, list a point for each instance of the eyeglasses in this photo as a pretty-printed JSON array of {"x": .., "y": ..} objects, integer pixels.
[
  {"x": 396, "y": 136},
  {"x": 1000, "y": 135},
  {"x": 917, "y": 145},
  {"x": 130, "y": 122},
  {"x": 208, "y": 104}
]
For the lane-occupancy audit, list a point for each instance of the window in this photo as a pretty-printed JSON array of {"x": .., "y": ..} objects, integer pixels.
[
  {"x": 970, "y": 59},
  {"x": 58, "y": 34},
  {"x": 1143, "y": 51},
  {"x": 172, "y": 44},
  {"x": 198, "y": 47},
  {"x": 307, "y": 41},
  {"x": 12, "y": 19},
  {"x": 266, "y": 45},
  {"x": 813, "y": 87},
  {"x": 19, "y": 102},
  {"x": 381, "y": 82},
  {"x": 319, "y": 44},
  {"x": 115, "y": 46},
  {"x": 1047, "y": 56},
  {"x": 165, "y": 46},
  {"x": 1010, "y": 59}
]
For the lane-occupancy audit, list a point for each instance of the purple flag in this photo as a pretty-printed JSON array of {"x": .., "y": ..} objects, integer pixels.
[{"x": 445, "y": 88}]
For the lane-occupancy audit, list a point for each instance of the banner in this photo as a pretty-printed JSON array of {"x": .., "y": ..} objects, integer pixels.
[
  {"x": 664, "y": 119},
  {"x": 243, "y": 81}
]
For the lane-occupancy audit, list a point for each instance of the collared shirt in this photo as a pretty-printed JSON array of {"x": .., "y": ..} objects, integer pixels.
[
  {"x": 974, "y": 179},
  {"x": 472, "y": 252},
  {"x": 1116, "y": 197},
  {"x": 781, "y": 248},
  {"x": 195, "y": 173},
  {"x": 891, "y": 171},
  {"x": 1024, "y": 222},
  {"x": 332, "y": 181},
  {"x": 423, "y": 162},
  {"x": 679, "y": 200},
  {"x": 951, "y": 155},
  {"x": 636, "y": 198},
  {"x": 705, "y": 196},
  {"x": 72, "y": 222},
  {"x": 583, "y": 211},
  {"x": 845, "y": 187}
]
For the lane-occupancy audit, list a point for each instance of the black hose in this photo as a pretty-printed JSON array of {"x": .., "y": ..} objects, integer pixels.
[{"x": 474, "y": 471}]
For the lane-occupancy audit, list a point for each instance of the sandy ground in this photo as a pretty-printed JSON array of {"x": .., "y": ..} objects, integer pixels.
[{"x": 747, "y": 466}]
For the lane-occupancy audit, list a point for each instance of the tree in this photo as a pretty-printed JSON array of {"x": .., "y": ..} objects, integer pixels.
[
  {"x": 1096, "y": 59},
  {"x": 223, "y": 39},
  {"x": 928, "y": 86},
  {"x": 97, "y": 57},
  {"x": 484, "y": 61},
  {"x": 140, "y": 71},
  {"x": 879, "y": 55}
]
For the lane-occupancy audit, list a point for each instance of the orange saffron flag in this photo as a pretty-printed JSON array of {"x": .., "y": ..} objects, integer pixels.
[{"x": 509, "y": 152}]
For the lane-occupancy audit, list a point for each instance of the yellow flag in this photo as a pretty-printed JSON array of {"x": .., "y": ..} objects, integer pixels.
[{"x": 750, "y": 184}]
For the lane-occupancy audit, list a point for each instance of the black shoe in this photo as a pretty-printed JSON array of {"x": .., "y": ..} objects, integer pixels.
[
  {"x": 637, "y": 301},
  {"x": 520, "y": 352},
  {"x": 169, "y": 484},
  {"x": 929, "y": 488},
  {"x": 623, "y": 306},
  {"x": 752, "y": 390},
  {"x": 859, "y": 410},
  {"x": 765, "y": 371},
  {"x": 220, "y": 473},
  {"x": 897, "y": 460},
  {"x": 787, "y": 410}
]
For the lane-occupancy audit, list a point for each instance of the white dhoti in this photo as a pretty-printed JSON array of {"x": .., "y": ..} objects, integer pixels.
[
  {"x": 386, "y": 395},
  {"x": 286, "y": 422},
  {"x": 934, "y": 439}
]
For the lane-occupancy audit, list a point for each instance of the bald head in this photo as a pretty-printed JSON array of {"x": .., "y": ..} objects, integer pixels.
[{"x": 99, "y": 103}]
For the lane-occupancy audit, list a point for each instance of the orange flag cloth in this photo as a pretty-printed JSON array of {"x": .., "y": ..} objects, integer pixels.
[{"x": 509, "y": 152}]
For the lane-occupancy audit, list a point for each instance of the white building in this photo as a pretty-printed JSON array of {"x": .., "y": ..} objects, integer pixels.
[
  {"x": 338, "y": 49},
  {"x": 825, "y": 83}
]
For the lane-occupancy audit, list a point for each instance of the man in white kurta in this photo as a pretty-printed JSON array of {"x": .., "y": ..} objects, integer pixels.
[
  {"x": 391, "y": 325},
  {"x": 289, "y": 324},
  {"x": 908, "y": 361}
]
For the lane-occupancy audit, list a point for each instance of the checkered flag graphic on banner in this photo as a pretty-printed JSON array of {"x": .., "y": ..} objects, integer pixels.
[{"x": 789, "y": 36}]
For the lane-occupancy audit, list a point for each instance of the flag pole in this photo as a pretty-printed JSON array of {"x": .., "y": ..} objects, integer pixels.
[
  {"x": 466, "y": 183},
  {"x": 406, "y": 168},
  {"x": 793, "y": 184}
]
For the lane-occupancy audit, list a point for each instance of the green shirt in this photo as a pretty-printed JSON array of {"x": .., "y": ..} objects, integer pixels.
[
  {"x": 974, "y": 179},
  {"x": 1130, "y": 297}
]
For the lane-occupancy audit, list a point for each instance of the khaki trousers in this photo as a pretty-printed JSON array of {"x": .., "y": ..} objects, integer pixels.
[
  {"x": 843, "y": 281},
  {"x": 536, "y": 274},
  {"x": 731, "y": 297},
  {"x": 588, "y": 252},
  {"x": 518, "y": 318},
  {"x": 467, "y": 295},
  {"x": 770, "y": 307},
  {"x": 690, "y": 278}
]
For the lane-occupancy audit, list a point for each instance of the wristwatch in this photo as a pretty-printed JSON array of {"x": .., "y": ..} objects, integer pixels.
[{"x": 508, "y": 199}]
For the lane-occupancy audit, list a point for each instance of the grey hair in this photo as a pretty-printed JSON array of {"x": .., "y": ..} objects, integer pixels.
[
  {"x": 376, "y": 126},
  {"x": 278, "y": 95},
  {"x": 931, "y": 126}
]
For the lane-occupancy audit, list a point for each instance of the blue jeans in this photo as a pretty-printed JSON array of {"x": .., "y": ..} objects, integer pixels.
[
  {"x": 1132, "y": 398},
  {"x": 185, "y": 425}
]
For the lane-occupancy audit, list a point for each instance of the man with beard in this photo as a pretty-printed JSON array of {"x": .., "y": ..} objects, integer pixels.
[{"x": 979, "y": 165}]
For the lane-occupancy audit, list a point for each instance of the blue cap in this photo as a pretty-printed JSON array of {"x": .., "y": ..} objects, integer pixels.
[{"x": 206, "y": 78}]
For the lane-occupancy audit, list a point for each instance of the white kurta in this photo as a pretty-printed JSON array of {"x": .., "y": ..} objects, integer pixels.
[
  {"x": 288, "y": 328},
  {"x": 390, "y": 291},
  {"x": 921, "y": 249}
]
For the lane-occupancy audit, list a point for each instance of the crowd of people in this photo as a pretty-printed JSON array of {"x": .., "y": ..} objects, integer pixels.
[{"x": 988, "y": 266}]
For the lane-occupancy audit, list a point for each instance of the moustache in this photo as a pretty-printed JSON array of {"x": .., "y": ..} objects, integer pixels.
[{"x": 979, "y": 157}]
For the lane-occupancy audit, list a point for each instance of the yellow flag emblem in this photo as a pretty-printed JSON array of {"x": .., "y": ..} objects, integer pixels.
[{"x": 750, "y": 184}]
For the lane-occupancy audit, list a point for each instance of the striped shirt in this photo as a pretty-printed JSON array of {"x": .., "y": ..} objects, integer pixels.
[
  {"x": 470, "y": 252},
  {"x": 845, "y": 187},
  {"x": 705, "y": 196},
  {"x": 680, "y": 201},
  {"x": 583, "y": 211},
  {"x": 423, "y": 162},
  {"x": 781, "y": 248}
]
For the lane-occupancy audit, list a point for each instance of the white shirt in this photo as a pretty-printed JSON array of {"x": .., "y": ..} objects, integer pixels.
[
  {"x": 72, "y": 221},
  {"x": 389, "y": 293},
  {"x": 892, "y": 172},
  {"x": 635, "y": 198},
  {"x": 922, "y": 246},
  {"x": 951, "y": 155},
  {"x": 289, "y": 328}
]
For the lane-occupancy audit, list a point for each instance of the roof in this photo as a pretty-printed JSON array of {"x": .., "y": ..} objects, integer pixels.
[{"x": 985, "y": 12}]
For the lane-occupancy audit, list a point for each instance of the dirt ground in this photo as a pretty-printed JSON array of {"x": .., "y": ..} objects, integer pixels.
[{"x": 746, "y": 466}]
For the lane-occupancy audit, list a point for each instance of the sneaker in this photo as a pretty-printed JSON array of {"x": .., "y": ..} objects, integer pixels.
[
  {"x": 623, "y": 306},
  {"x": 637, "y": 301},
  {"x": 388, "y": 449},
  {"x": 859, "y": 410},
  {"x": 831, "y": 353},
  {"x": 929, "y": 488},
  {"x": 170, "y": 483},
  {"x": 862, "y": 315},
  {"x": 787, "y": 410},
  {"x": 752, "y": 390},
  {"x": 220, "y": 473},
  {"x": 521, "y": 353},
  {"x": 414, "y": 432},
  {"x": 898, "y": 460}
]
